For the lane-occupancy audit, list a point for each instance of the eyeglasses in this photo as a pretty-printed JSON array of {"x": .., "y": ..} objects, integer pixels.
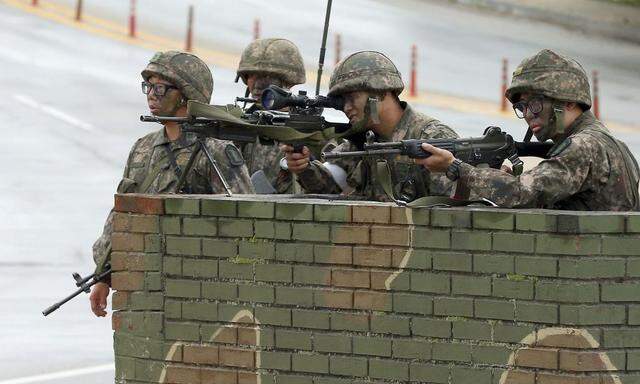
[
  {"x": 534, "y": 106},
  {"x": 159, "y": 89}
]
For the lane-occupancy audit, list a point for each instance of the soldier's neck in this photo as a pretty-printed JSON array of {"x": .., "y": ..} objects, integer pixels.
[
  {"x": 390, "y": 115},
  {"x": 172, "y": 129}
]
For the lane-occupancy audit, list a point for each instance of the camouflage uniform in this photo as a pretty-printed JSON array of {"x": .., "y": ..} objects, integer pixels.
[
  {"x": 150, "y": 168},
  {"x": 281, "y": 59},
  {"x": 374, "y": 72},
  {"x": 588, "y": 168}
]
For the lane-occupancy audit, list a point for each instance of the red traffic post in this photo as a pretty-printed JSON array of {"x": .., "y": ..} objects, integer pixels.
[
  {"x": 503, "y": 89},
  {"x": 596, "y": 98},
  {"x": 79, "y": 10},
  {"x": 132, "y": 18},
  {"x": 412, "y": 84},
  {"x": 338, "y": 48},
  {"x": 189, "y": 43},
  {"x": 34, "y": 3},
  {"x": 256, "y": 29}
]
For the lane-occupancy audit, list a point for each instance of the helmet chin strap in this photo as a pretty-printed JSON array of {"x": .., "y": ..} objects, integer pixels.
[
  {"x": 557, "y": 119},
  {"x": 370, "y": 112}
]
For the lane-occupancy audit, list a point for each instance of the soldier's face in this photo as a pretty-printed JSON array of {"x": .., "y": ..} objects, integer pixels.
[
  {"x": 539, "y": 122},
  {"x": 354, "y": 105},
  {"x": 258, "y": 82},
  {"x": 166, "y": 105}
]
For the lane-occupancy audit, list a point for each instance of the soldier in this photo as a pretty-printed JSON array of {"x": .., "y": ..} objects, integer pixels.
[
  {"x": 157, "y": 160},
  {"x": 588, "y": 169},
  {"x": 263, "y": 63},
  {"x": 370, "y": 84}
]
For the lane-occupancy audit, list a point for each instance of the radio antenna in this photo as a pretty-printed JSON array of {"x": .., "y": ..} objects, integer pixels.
[{"x": 323, "y": 47}]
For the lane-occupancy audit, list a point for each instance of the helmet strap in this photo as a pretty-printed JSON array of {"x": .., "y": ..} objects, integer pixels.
[
  {"x": 558, "y": 118},
  {"x": 371, "y": 110}
]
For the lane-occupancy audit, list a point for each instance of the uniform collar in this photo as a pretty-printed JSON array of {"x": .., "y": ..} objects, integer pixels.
[
  {"x": 186, "y": 139},
  {"x": 585, "y": 119}
]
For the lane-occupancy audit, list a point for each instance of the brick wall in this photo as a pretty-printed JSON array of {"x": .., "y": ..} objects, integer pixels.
[{"x": 248, "y": 290}]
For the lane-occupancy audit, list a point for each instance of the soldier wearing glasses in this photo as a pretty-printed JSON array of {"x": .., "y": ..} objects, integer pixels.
[
  {"x": 588, "y": 169},
  {"x": 158, "y": 159}
]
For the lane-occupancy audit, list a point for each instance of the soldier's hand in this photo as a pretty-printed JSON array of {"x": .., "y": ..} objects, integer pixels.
[
  {"x": 439, "y": 160},
  {"x": 98, "y": 299},
  {"x": 296, "y": 162},
  {"x": 506, "y": 168}
]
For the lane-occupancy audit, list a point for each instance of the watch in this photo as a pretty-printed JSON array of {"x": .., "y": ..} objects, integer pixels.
[{"x": 453, "y": 171}]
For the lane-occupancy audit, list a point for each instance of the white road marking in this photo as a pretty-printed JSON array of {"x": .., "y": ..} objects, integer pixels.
[
  {"x": 56, "y": 113},
  {"x": 61, "y": 374}
]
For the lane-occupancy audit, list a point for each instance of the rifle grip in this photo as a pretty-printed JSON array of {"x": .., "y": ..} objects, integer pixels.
[{"x": 297, "y": 147}]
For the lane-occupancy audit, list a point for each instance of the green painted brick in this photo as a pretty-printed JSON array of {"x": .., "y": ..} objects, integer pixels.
[
  {"x": 275, "y": 360},
  {"x": 515, "y": 289},
  {"x": 622, "y": 338},
  {"x": 621, "y": 245},
  {"x": 431, "y": 373},
  {"x": 453, "y": 306},
  {"x": 200, "y": 268},
  {"x": 473, "y": 330},
  {"x": 494, "y": 309},
  {"x": 264, "y": 229},
  {"x": 235, "y": 227},
  {"x": 227, "y": 312},
  {"x": 199, "y": 226},
  {"x": 336, "y": 343},
  {"x": 471, "y": 240},
  {"x": 172, "y": 309},
  {"x": 125, "y": 368},
  {"x": 273, "y": 316},
  {"x": 452, "y": 261},
  {"x": 537, "y": 266},
  {"x": 301, "y": 253},
  {"x": 349, "y": 322},
  {"x": 430, "y": 327},
  {"x": 294, "y": 211},
  {"x": 508, "y": 333},
  {"x": 633, "y": 223},
  {"x": 219, "y": 247},
  {"x": 411, "y": 349},
  {"x": 219, "y": 208},
  {"x": 633, "y": 360},
  {"x": 567, "y": 223},
  {"x": 183, "y": 246},
  {"x": 567, "y": 244},
  {"x": 600, "y": 223},
  {"x": 484, "y": 263},
  {"x": 152, "y": 243},
  {"x": 348, "y": 366},
  {"x": 410, "y": 303},
  {"x": 257, "y": 249},
  {"x": 256, "y": 293},
  {"x": 310, "y": 319},
  {"x": 335, "y": 213},
  {"x": 181, "y": 206},
  {"x": 537, "y": 312},
  {"x": 181, "y": 331},
  {"x": 513, "y": 242},
  {"x": 567, "y": 292},
  {"x": 172, "y": 265},
  {"x": 634, "y": 314},
  {"x": 371, "y": 346},
  {"x": 430, "y": 282},
  {"x": 310, "y": 363},
  {"x": 493, "y": 219},
  {"x": 283, "y": 230},
  {"x": 451, "y": 352},
  {"x": 293, "y": 379},
  {"x": 590, "y": 268},
  {"x": 170, "y": 225},
  {"x": 390, "y": 324},
  {"x": 293, "y": 339},
  {"x": 490, "y": 354},
  {"x": 536, "y": 222},
  {"x": 388, "y": 369},
  {"x": 153, "y": 281},
  {"x": 256, "y": 209},
  {"x": 468, "y": 375},
  {"x": 219, "y": 290},
  {"x": 592, "y": 315},
  {"x": 331, "y": 254},
  {"x": 419, "y": 258},
  {"x": 280, "y": 273},
  {"x": 150, "y": 301},
  {"x": 431, "y": 238},
  {"x": 200, "y": 311},
  {"x": 230, "y": 270},
  {"x": 305, "y": 274},
  {"x": 633, "y": 267},
  {"x": 294, "y": 296},
  {"x": 311, "y": 232},
  {"x": 451, "y": 217},
  {"x": 470, "y": 285},
  {"x": 182, "y": 288}
]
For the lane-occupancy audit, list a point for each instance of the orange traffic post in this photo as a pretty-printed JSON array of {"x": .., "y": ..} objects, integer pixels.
[
  {"x": 338, "y": 48},
  {"x": 132, "y": 18},
  {"x": 503, "y": 89},
  {"x": 34, "y": 3},
  {"x": 414, "y": 58},
  {"x": 189, "y": 43},
  {"x": 596, "y": 98},
  {"x": 256, "y": 29},
  {"x": 79, "y": 10}
]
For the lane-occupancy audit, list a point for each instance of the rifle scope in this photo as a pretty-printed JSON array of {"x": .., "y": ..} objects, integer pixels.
[{"x": 275, "y": 98}]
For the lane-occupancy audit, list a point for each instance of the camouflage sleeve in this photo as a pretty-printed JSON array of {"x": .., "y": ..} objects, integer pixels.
[
  {"x": 316, "y": 178},
  {"x": 552, "y": 180},
  {"x": 439, "y": 184},
  {"x": 231, "y": 163}
]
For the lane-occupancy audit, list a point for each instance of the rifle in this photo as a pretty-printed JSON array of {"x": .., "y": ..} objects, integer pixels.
[
  {"x": 493, "y": 148},
  {"x": 85, "y": 284}
]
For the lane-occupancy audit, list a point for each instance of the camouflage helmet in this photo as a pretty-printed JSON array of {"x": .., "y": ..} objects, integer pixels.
[
  {"x": 365, "y": 71},
  {"x": 552, "y": 75},
  {"x": 279, "y": 57},
  {"x": 186, "y": 71}
]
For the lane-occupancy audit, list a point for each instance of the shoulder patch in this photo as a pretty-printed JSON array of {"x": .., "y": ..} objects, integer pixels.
[
  {"x": 234, "y": 155},
  {"x": 560, "y": 147}
]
